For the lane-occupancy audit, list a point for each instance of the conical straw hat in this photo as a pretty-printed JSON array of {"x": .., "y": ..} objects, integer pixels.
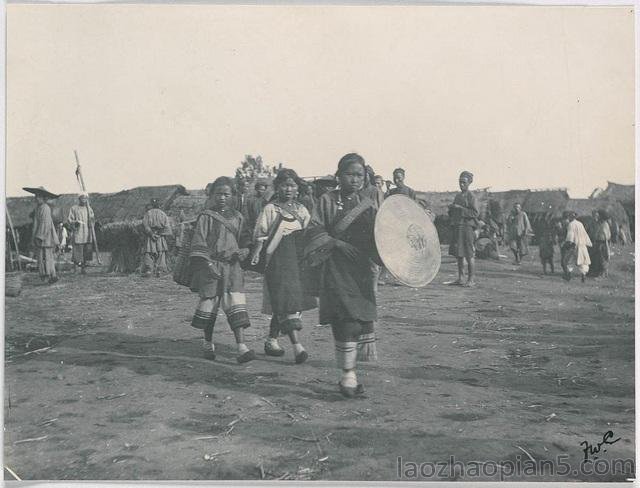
[{"x": 407, "y": 241}]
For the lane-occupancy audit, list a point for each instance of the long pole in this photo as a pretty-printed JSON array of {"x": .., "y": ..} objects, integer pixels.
[
  {"x": 92, "y": 230},
  {"x": 15, "y": 240}
]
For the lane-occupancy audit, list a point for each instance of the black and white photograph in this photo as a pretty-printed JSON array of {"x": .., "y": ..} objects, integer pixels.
[{"x": 317, "y": 242}]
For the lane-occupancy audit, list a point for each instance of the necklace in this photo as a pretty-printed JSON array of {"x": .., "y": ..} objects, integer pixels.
[{"x": 341, "y": 203}]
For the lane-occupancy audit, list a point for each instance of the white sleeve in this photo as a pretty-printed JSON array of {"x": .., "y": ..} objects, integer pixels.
[{"x": 265, "y": 219}]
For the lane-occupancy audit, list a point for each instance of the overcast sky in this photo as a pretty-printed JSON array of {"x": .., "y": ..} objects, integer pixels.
[{"x": 524, "y": 97}]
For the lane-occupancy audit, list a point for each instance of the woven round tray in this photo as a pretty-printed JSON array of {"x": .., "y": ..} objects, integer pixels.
[{"x": 407, "y": 241}]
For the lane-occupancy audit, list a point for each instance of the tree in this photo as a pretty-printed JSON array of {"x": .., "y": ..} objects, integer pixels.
[{"x": 253, "y": 167}]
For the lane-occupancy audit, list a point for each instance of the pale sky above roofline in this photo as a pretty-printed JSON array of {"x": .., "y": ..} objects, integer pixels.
[{"x": 524, "y": 97}]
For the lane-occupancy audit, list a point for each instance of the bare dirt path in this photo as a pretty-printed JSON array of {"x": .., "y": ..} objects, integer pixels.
[{"x": 105, "y": 379}]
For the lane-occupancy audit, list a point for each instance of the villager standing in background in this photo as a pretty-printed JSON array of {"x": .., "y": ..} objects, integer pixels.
[
  {"x": 595, "y": 269},
  {"x": 548, "y": 240},
  {"x": 81, "y": 219},
  {"x": 156, "y": 228},
  {"x": 242, "y": 198},
  {"x": 463, "y": 213},
  {"x": 574, "y": 248},
  {"x": 256, "y": 203},
  {"x": 602, "y": 242},
  {"x": 44, "y": 236},
  {"x": 401, "y": 188},
  {"x": 518, "y": 230},
  {"x": 305, "y": 195}
]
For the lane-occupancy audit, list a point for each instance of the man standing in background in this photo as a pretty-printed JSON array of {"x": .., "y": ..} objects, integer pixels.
[
  {"x": 242, "y": 197},
  {"x": 401, "y": 188},
  {"x": 81, "y": 219},
  {"x": 44, "y": 236},
  {"x": 156, "y": 228},
  {"x": 518, "y": 229},
  {"x": 256, "y": 203}
]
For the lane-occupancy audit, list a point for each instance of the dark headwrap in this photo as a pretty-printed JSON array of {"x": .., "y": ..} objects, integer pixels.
[
  {"x": 349, "y": 159},
  {"x": 467, "y": 175},
  {"x": 285, "y": 174},
  {"x": 398, "y": 170},
  {"x": 261, "y": 182},
  {"x": 222, "y": 180},
  {"x": 281, "y": 177}
]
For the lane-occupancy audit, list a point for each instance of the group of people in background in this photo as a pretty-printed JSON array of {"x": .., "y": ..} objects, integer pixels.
[
  {"x": 78, "y": 234},
  {"x": 585, "y": 248}
]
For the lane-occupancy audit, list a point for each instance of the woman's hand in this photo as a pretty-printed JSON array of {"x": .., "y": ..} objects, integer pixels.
[
  {"x": 348, "y": 250},
  {"x": 255, "y": 254}
]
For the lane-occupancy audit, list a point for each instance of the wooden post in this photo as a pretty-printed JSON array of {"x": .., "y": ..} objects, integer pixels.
[{"x": 92, "y": 229}]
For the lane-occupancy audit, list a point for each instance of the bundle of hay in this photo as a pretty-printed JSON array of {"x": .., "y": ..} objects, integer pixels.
[
  {"x": 13, "y": 284},
  {"x": 124, "y": 240}
]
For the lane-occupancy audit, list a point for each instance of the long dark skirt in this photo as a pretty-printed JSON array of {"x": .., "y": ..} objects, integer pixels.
[
  {"x": 462, "y": 242},
  {"x": 288, "y": 290},
  {"x": 347, "y": 293},
  {"x": 601, "y": 251},
  {"x": 595, "y": 269}
]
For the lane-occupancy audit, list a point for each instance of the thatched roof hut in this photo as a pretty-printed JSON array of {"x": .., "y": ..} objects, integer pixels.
[
  {"x": 626, "y": 195},
  {"x": 507, "y": 199},
  {"x": 540, "y": 204},
  {"x": 188, "y": 205},
  {"x": 585, "y": 207},
  {"x": 438, "y": 203},
  {"x": 132, "y": 204},
  {"x": 21, "y": 208},
  {"x": 108, "y": 207},
  {"x": 622, "y": 193}
]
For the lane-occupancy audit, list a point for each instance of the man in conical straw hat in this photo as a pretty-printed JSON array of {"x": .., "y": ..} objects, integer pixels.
[
  {"x": 81, "y": 219},
  {"x": 44, "y": 236}
]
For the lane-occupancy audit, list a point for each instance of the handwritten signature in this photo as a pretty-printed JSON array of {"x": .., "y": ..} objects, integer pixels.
[{"x": 591, "y": 450}]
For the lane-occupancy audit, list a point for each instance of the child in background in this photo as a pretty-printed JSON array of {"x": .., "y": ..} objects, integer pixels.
[
  {"x": 278, "y": 232},
  {"x": 215, "y": 260},
  {"x": 547, "y": 242}
]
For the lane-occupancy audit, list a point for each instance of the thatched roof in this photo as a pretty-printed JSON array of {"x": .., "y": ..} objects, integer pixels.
[
  {"x": 21, "y": 208},
  {"x": 108, "y": 207},
  {"x": 507, "y": 199},
  {"x": 622, "y": 193},
  {"x": 541, "y": 202},
  {"x": 584, "y": 207},
  {"x": 438, "y": 201},
  {"x": 132, "y": 204},
  {"x": 188, "y": 205}
]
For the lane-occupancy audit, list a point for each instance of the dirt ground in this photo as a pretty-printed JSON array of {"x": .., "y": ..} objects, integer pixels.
[{"x": 105, "y": 379}]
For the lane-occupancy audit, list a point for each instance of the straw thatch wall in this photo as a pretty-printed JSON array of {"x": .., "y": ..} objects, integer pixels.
[
  {"x": 188, "y": 205},
  {"x": 507, "y": 199},
  {"x": 132, "y": 204},
  {"x": 541, "y": 204},
  {"x": 626, "y": 195},
  {"x": 438, "y": 203}
]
